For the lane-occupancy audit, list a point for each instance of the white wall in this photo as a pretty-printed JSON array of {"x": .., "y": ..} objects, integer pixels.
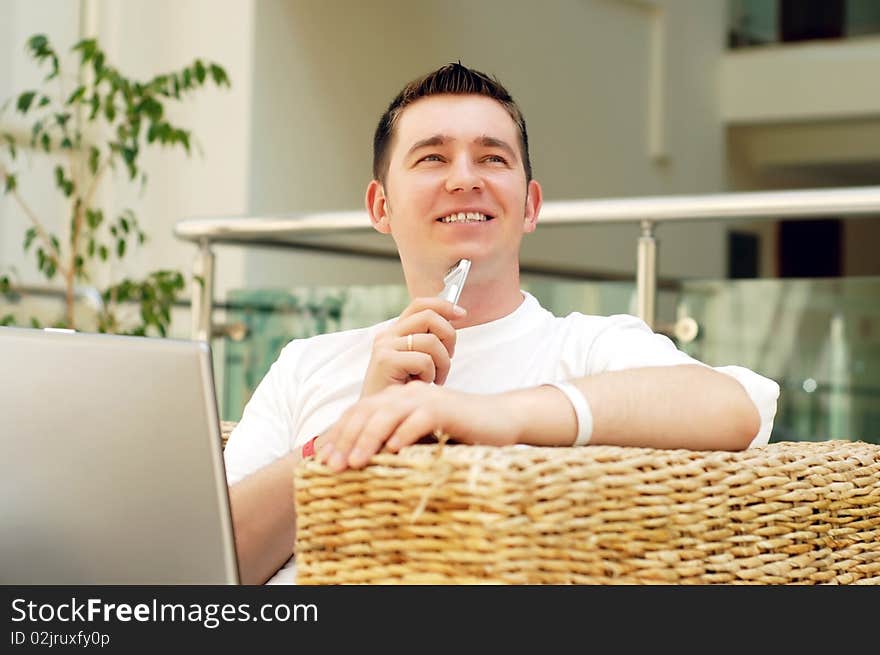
[{"x": 19, "y": 20}]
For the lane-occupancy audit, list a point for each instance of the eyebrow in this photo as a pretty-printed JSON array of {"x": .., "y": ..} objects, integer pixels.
[{"x": 484, "y": 141}]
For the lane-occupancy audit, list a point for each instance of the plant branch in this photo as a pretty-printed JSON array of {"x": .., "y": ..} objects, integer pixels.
[{"x": 41, "y": 231}]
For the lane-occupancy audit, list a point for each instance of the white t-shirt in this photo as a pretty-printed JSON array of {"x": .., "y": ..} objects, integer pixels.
[{"x": 314, "y": 380}]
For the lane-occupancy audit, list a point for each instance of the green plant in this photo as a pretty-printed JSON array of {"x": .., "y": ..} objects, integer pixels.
[{"x": 104, "y": 121}]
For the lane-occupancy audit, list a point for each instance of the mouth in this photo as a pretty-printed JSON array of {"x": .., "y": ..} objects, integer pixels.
[{"x": 465, "y": 217}]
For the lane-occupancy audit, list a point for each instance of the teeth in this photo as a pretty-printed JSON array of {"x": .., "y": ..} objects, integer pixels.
[{"x": 465, "y": 217}]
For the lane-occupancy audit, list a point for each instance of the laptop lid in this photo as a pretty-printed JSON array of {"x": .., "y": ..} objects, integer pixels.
[{"x": 111, "y": 466}]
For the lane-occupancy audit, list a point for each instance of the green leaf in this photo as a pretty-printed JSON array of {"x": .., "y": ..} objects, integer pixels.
[
  {"x": 183, "y": 137},
  {"x": 29, "y": 237},
  {"x": 103, "y": 253},
  {"x": 46, "y": 142},
  {"x": 35, "y": 323},
  {"x": 38, "y": 43},
  {"x": 56, "y": 245},
  {"x": 152, "y": 108},
  {"x": 11, "y": 182},
  {"x": 76, "y": 96},
  {"x": 124, "y": 224},
  {"x": 110, "y": 108},
  {"x": 95, "y": 104},
  {"x": 90, "y": 249},
  {"x": 98, "y": 63},
  {"x": 219, "y": 75},
  {"x": 94, "y": 217},
  {"x": 62, "y": 182},
  {"x": 25, "y": 100},
  {"x": 129, "y": 155},
  {"x": 4, "y": 284},
  {"x": 10, "y": 143},
  {"x": 7, "y": 320},
  {"x": 66, "y": 143},
  {"x": 36, "y": 129},
  {"x": 94, "y": 154},
  {"x": 200, "y": 71},
  {"x": 87, "y": 49},
  {"x": 120, "y": 248}
]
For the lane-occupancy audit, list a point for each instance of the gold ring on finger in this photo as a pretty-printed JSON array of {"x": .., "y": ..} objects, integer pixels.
[{"x": 409, "y": 341}]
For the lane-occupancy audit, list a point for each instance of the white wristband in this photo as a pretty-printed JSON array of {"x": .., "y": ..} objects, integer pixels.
[{"x": 582, "y": 411}]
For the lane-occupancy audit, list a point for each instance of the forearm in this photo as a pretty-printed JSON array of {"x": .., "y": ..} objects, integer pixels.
[
  {"x": 264, "y": 519},
  {"x": 687, "y": 406}
]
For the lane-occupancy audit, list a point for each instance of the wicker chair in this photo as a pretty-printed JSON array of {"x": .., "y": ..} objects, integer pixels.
[{"x": 786, "y": 513}]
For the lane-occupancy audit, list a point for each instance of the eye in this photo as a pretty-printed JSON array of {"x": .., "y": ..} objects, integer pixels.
[
  {"x": 494, "y": 159},
  {"x": 431, "y": 157}
]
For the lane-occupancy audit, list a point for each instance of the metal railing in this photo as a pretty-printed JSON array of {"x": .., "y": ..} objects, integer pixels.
[{"x": 645, "y": 211}]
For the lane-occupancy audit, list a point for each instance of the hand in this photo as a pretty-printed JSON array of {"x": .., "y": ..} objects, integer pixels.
[
  {"x": 401, "y": 415},
  {"x": 428, "y": 322}
]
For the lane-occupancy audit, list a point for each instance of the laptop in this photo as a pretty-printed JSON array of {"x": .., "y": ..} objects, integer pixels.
[{"x": 111, "y": 464}]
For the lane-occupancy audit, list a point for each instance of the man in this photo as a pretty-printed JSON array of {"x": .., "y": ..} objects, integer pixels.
[{"x": 452, "y": 180}]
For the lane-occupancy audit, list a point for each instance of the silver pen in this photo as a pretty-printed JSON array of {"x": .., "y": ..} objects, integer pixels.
[{"x": 453, "y": 281}]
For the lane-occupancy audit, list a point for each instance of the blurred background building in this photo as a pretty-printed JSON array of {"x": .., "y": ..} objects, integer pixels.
[{"x": 623, "y": 98}]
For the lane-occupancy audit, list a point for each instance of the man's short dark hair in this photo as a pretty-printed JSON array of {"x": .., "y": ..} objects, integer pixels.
[{"x": 449, "y": 79}]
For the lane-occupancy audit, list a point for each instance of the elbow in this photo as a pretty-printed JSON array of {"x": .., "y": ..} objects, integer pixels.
[
  {"x": 746, "y": 427},
  {"x": 737, "y": 416},
  {"x": 744, "y": 423}
]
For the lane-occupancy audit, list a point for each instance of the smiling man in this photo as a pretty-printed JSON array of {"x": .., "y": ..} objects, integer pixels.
[{"x": 453, "y": 180}]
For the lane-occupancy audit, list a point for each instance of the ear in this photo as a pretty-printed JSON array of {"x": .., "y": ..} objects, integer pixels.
[
  {"x": 534, "y": 198},
  {"x": 377, "y": 207}
]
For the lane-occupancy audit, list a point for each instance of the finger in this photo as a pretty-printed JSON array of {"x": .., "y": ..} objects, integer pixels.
[
  {"x": 344, "y": 433},
  {"x": 407, "y": 366},
  {"x": 415, "y": 426},
  {"x": 430, "y": 322},
  {"x": 375, "y": 432},
  {"x": 430, "y": 345},
  {"x": 443, "y": 307}
]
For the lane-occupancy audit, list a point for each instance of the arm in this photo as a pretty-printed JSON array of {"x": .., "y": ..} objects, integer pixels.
[
  {"x": 264, "y": 519},
  {"x": 685, "y": 406}
]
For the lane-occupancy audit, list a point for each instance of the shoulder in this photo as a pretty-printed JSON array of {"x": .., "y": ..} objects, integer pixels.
[
  {"x": 330, "y": 344},
  {"x": 595, "y": 326},
  {"x": 302, "y": 358}
]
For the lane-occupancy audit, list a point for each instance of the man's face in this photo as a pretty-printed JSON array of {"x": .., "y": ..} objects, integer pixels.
[{"x": 456, "y": 188}]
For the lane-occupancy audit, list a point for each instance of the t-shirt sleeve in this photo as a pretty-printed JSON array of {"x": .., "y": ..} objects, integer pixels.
[
  {"x": 263, "y": 433},
  {"x": 627, "y": 342}
]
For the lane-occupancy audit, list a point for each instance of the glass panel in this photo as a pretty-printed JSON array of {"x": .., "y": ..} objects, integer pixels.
[
  {"x": 818, "y": 338},
  {"x": 275, "y": 316}
]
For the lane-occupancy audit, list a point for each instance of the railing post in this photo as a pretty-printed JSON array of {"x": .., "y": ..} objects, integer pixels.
[
  {"x": 203, "y": 292},
  {"x": 646, "y": 274}
]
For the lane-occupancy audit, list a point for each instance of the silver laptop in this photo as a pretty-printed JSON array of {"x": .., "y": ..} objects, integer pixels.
[{"x": 111, "y": 467}]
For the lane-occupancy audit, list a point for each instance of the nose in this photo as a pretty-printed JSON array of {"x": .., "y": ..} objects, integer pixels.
[{"x": 463, "y": 176}]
